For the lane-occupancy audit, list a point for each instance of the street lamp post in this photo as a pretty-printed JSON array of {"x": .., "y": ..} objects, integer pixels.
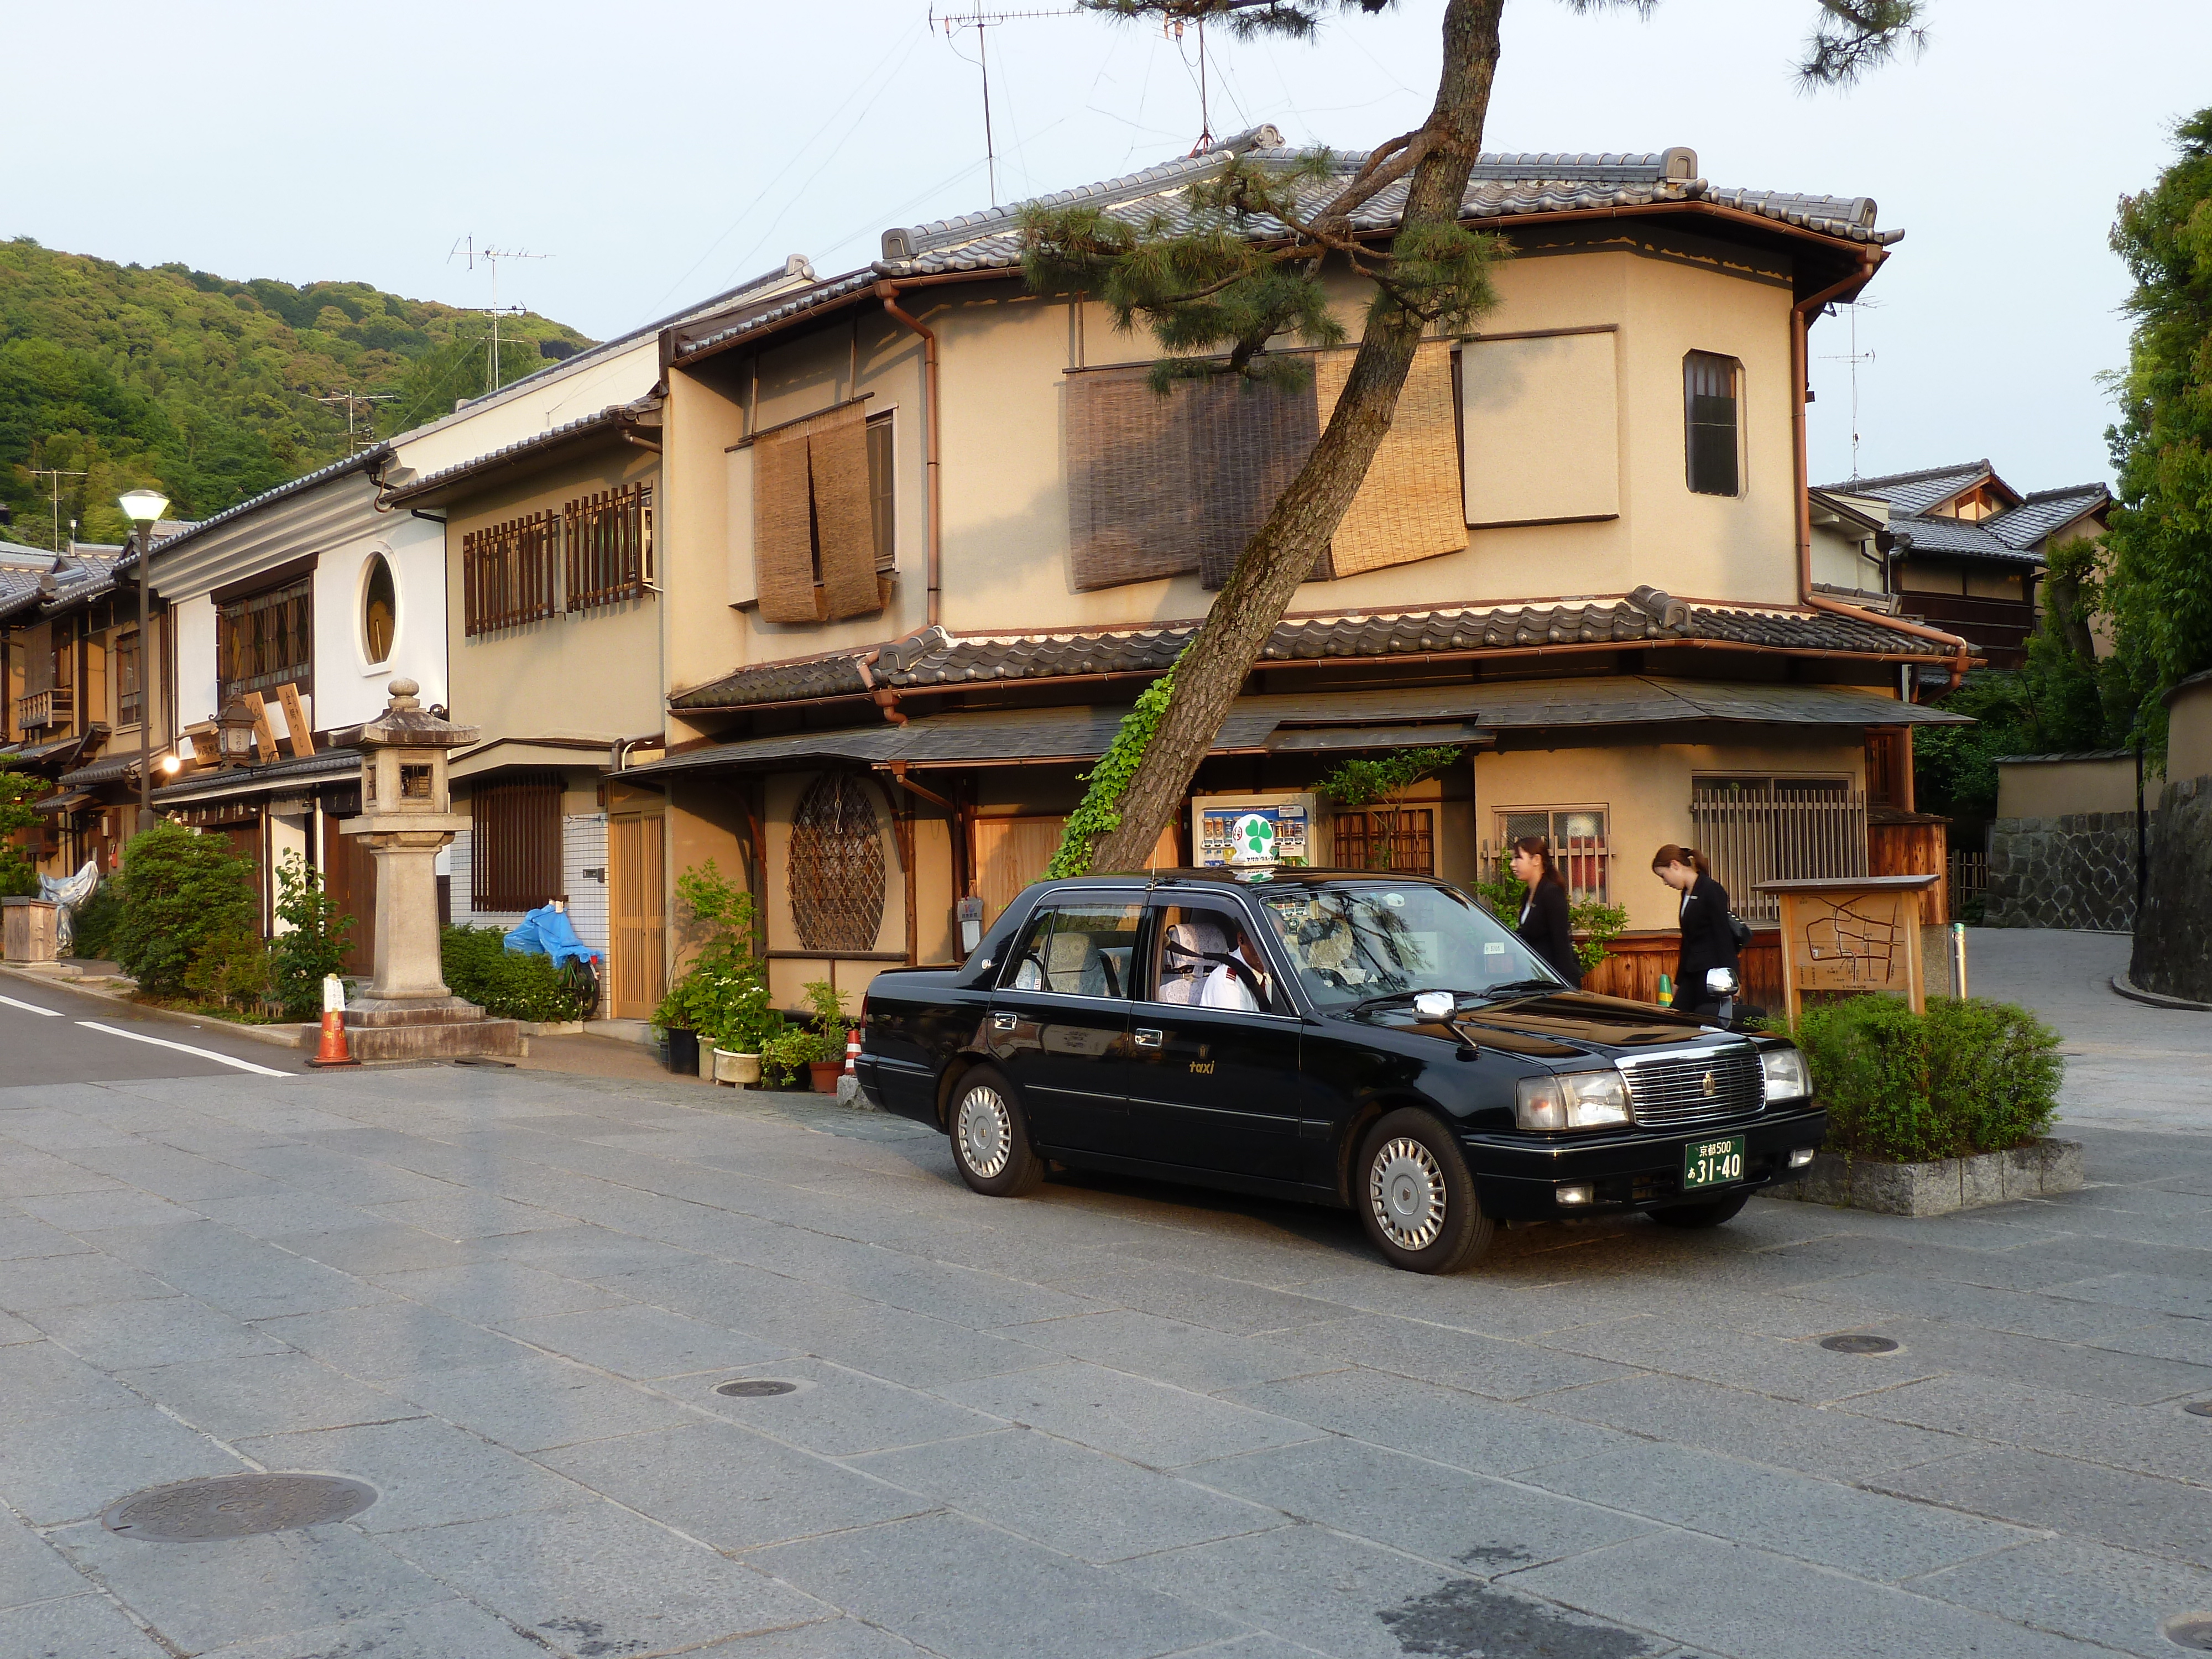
[{"x": 145, "y": 509}]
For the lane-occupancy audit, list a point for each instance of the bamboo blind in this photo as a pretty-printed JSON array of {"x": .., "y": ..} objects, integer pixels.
[
  {"x": 1409, "y": 507},
  {"x": 608, "y": 538},
  {"x": 814, "y": 522},
  {"x": 514, "y": 842},
  {"x": 508, "y": 574}
]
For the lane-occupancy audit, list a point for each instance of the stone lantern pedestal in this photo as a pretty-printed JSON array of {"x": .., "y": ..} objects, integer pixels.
[{"x": 406, "y": 818}]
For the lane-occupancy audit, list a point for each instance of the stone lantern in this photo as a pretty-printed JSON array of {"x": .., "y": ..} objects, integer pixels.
[{"x": 406, "y": 818}]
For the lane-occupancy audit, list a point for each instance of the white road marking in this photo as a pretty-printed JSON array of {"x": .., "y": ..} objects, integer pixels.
[
  {"x": 185, "y": 1047},
  {"x": 31, "y": 1008}
]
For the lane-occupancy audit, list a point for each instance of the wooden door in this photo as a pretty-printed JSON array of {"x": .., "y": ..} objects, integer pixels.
[
  {"x": 349, "y": 877},
  {"x": 638, "y": 934},
  {"x": 1011, "y": 852}
]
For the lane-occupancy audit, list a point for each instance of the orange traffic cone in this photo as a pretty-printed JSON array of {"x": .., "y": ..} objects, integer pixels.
[{"x": 335, "y": 1050}]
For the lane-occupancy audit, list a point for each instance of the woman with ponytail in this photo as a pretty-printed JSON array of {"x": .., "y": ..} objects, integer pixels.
[
  {"x": 1708, "y": 941},
  {"x": 1544, "y": 927}
]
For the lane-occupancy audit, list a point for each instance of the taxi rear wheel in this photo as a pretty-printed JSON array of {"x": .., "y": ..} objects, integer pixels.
[
  {"x": 1701, "y": 1215},
  {"x": 990, "y": 1141},
  {"x": 1415, "y": 1196}
]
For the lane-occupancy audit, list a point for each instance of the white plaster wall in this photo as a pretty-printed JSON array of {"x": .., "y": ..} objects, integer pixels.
[
  {"x": 288, "y": 833},
  {"x": 349, "y": 687},
  {"x": 194, "y": 621}
]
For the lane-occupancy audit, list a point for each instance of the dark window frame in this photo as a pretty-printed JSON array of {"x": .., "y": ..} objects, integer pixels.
[
  {"x": 514, "y": 842},
  {"x": 510, "y": 574},
  {"x": 1713, "y": 423},
  {"x": 883, "y": 490},
  {"x": 378, "y": 562},
  {"x": 607, "y": 546},
  {"x": 266, "y": 639}
]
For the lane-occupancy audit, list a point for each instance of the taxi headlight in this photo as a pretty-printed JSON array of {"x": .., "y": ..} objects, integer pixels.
[
  {"x": 1576, "y": 1100},
  {"x": 1788, "y": 1076}
]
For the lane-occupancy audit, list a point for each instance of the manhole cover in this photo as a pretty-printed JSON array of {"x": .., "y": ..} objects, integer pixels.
[
  {"x": 2198, "y": 1407},
  {"x": 237, "y": 1506},
  {"x": 2189, "y": 1630},
  {"x": 756, "y": 1388},
  {"x": 1853, "y": 1342}
]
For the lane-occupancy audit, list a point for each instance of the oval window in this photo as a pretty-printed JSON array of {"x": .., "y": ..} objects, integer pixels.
[{"x": 379, "y": 607}]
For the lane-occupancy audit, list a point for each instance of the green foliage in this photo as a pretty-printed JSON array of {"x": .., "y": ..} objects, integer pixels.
[
  {"x": 722, "y": 994},
  {"x": 1358, "y": 783},
  {"x": 180, "y": 890},
  {"x": 1593, "y": 921},
  {"x": 19, "y": 877},
  {"x": 506, "y": 984},
  {"x": 2159, "y": 587},
  {"x": 1900, "y": 1087},
  {"x": 95, "y": 920},
  {"x": 1095, "y": 816},
  {"x": 314, "y": 945},
  {"x": 231, "y": 967},
  {"x": 208, "y": 385}
]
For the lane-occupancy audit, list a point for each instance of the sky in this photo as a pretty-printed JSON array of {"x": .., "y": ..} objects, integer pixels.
[{"x": 660, "y": 151}]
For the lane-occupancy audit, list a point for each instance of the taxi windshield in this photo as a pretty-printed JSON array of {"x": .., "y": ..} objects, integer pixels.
[{"x": 1359, "y": 941}]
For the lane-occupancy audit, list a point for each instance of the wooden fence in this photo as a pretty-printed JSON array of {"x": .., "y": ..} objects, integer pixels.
[
  {"x": 1751, "y": 836},
  {"x": 1634, "y": 961}
]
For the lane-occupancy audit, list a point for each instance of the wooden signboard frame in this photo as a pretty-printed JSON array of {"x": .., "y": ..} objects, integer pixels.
[
  {"x": 295, "y": 721},
  {"x": 264, "y": 734},
  {"x": 1853, "y": 933}
]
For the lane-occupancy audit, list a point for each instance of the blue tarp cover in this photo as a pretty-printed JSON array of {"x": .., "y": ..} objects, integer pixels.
[{"x": 549, "y": 933}]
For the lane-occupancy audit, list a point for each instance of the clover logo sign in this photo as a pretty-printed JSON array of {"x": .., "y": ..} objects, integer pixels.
[{"x": 1253, "y": 840}]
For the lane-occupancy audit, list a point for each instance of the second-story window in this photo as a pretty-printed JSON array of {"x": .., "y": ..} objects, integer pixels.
[
  {"x": 509, "y": 572},
  {"x": 1711, "y": 416},
  {"x": 379, "y": 611},
  {"x": 882, "y": 496},
  {"x": 608, "y": 538},
  {"x": 816, "y": 546},
  {"x": 130, "y": 700},
  {"x": 266, "y": 640}
]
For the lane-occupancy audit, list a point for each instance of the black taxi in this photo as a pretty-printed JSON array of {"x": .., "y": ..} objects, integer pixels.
[{"x": 1368, "y": 1040}]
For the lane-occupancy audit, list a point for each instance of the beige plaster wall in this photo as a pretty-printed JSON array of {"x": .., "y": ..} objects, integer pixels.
[
  {"x": 2051, "y": 789},
  {"x": 1646, "y": 792},
  {"x": 785, "y": 975},
  {"x": 591, "y": 673},
  {"x": 2188, "y": 732}
]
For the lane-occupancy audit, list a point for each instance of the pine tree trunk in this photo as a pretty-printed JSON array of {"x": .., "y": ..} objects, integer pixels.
[{"x": 1282, "y": 555}]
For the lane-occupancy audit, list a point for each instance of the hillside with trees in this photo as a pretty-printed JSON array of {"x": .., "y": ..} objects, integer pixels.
[{"x": 208, "y": 386}]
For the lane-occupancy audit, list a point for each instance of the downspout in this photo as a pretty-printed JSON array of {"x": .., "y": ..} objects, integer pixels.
[
  {"x": 888, "y": 293},
  {"x": 1801, "y": 323}
]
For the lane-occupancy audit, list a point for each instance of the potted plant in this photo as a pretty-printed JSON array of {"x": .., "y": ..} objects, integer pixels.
[
  {"x": 826, "y": 1025},
  {"x": 791, "y": 1051},
  {"x": 721, "y": 997}
]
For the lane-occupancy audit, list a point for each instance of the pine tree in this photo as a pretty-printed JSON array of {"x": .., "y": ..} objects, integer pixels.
[{"x": 1211, "y": 290}]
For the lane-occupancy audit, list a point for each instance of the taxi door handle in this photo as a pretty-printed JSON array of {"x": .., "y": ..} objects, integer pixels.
[
  {"x": 1004, "y": 1022},
  {"x": 1146, "y": 1038}
]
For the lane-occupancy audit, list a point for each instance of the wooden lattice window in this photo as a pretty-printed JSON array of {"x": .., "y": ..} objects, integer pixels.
[
  {"x": 836, "y": 866},
  {"x": 509, "y": 573},
  {"x": 1397, "y": 838},
  {"x": 514, "y": 842},
  {"x": 266, "y": 640},
  {"x": 608, "y": 538}
]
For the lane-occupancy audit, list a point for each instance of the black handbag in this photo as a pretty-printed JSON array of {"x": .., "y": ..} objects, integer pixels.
[{"x": 1740, "y": 929}]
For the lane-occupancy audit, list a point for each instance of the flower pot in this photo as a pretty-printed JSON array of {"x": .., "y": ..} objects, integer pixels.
[
  {"x": 742, "y": 1070},
  {"x": 823, "y": 1074},
  {"x": 683, "y": 1051}
]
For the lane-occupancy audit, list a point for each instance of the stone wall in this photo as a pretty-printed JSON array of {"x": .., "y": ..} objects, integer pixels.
[
  {"x": 2174, "y": 946},
  {"x": 2077, "y": 870}
]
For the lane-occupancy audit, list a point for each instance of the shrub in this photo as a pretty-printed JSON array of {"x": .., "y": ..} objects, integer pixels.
[
  {"x": 722, "y": 993},
  {"x": 315, "y": 944},
  {"x": 1900, "y": 1087},
  {"x": 180, "y": 889},
  {"x": 506, "y": 984},
  {"x": 19, "y": 878},
  {"x": 1595, "y": 920},
  {"x": 96, "y": 918},
  {"x": 231, "y": 968}
]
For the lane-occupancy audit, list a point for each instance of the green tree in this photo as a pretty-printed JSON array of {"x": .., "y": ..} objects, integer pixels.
[
  {"x": 19, "y": 878},
  {"x": 313, "y": 944},
  {"x": 1241, "y": 264},
  {"x": 181, "y": 889}
]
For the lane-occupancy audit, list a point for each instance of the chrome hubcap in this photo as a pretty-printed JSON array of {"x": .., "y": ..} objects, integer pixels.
[
  {"x": 1406, "y": 1186},
  {"x": 985, "y": 1130}
]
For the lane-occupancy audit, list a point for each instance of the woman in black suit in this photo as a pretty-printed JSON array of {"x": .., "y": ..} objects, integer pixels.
[
  {"x": 1544, "y": 927},
  {"x": 1708, "y": 941}
]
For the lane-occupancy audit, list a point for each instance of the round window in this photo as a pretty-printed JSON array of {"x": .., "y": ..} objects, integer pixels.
[{"x": 379, "y": 607}]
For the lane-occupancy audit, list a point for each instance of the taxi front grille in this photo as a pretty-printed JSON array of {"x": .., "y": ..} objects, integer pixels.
[{"x": 1666, "y": 1094}]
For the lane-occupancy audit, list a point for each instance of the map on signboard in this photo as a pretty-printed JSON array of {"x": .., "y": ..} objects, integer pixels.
[{"x": 1854, "y": 943}]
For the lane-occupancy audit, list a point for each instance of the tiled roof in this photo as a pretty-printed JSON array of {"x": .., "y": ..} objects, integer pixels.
[
  {"x": 1916, "y": 492},
  {"x": 1500, "y": 186},
  {"x": 2045, "y": 511},
  {"x": 221, "y": 783},
  {"x": 1955, "y": 539},
  {"x": 86, "y": 573},
  {"x": 612, "y": 417},
  {"x": 375, "y": 455},
  {"x": 937, "y": 659}
]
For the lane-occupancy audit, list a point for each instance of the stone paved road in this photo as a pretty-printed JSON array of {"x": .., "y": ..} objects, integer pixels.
[{"x": 1115, "y": 1420}]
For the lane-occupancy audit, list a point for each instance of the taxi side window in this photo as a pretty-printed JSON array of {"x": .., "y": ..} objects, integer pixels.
[
  {"x": 1204, "y": 957},
  {"x": 1084, "y": 951}
]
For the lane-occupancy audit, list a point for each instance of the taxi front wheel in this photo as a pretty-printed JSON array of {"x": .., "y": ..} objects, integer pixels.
[
  {"x": 990, "y": 1142},
  {"x": 1415, "y": 1196}
]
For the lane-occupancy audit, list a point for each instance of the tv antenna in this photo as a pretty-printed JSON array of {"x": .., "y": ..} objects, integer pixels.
[
  {"x": 466, "y": 248},
  {"x": 1855, "y": 357},
  {"x": 979, "y": 20},
  {"x": 58, "y": 474},
  {"x": 356, "y": 441},
  {"x": 1205, "y": 111}
]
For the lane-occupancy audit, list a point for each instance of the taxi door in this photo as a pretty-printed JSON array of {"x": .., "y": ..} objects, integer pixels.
[{"x": 1059, "y": 1025}]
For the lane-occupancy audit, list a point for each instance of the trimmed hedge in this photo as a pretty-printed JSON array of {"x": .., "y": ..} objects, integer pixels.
[
  {"x": 182, "y": 891},
  {"x": 1904, "y": 1088},
  {"x": 508, "y": 984}
]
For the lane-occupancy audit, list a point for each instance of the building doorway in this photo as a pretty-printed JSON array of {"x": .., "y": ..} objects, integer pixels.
[{"x": 637, "y": 872}]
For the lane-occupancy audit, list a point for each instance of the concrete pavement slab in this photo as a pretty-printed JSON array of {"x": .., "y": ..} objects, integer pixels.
[
  {"x": 23, "y": 1237},
  {"x": 1456, "y": 1359},
  {"x": 427, "y": 1473},
  {"x": 41, "y": 1379},
  {"x": 1167, "y": 1350},
  {"x": 830, "y": 1638},
  {"x": 2115, "y": 1597},
  {"x": 534, "y": 1403},
  {"x": 74, "y": 1281},
  {"x": 594, "y": 1580},
  {"x": 85, "y": 1212},
  {"x": 968, "y": 1592},
  {"x": 1197, "y": 1298},
  {"x": 392, "y": 1338},
  {"x": 634, "y": 1340},
  {"x": 451, "y": 1629},
  {"x": 735, "y": 1489},
  {"x": 2127, "y": 1510},
  {"x": 86, "y": 1626},
  {"x": 1069, "y": 1498},
  {"x": 265, "y": 1393},
  {"x": 358, "y": 1243},
  {"x": 1146, "y": 1422},
  {"x": 498, "y": 1293},
  {"x": 2143, "y": 1438},
  {"x": 32, "y": 1569},
  {"x": 835, "y": 1411},
  {"x": 174, "y": 1329},
  {"x": 1786, "y": 1369},
  {"x": 63, "y": 1469}
]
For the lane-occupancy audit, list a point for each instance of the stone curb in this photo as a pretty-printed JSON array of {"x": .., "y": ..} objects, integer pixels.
[
  {"x": 276, "y": 1037},
  {"x": 1940, "y": 1187},
  {"x": 2134, "y": 992}
]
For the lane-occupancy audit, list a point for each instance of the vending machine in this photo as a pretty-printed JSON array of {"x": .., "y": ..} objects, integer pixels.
[{"x": 1248, "y": 831}]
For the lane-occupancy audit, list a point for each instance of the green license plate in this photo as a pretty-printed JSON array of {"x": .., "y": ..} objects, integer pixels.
[{"x": 1712, "y": 1163}]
